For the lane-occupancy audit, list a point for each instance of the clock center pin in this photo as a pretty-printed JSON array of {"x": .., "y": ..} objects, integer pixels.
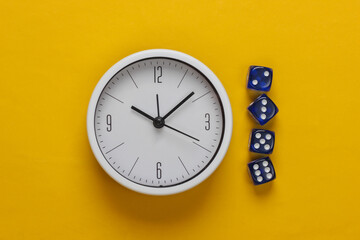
[{"x": 159, "y": 122}]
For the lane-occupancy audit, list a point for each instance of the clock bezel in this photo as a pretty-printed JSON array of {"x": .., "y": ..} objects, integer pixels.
[{"x": 223, "y": 99}]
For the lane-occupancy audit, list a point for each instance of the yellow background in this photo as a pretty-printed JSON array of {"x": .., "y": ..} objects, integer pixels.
[{"x": 52, "y": 54}]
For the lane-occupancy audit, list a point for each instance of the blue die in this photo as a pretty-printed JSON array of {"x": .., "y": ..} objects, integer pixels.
[
  {"x": 263, "y": 109},
  {"x": 262, "y": 141},
  {"x": 262, "y": 170},
  {"x": 260, "y": 78}
]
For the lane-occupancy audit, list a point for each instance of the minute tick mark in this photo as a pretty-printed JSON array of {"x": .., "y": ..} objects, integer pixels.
[
  {"x": 182, "y": 78},
  {"x": 201, "y": 96},
  {"x": 202, "y": 147},
  {"x": 132, "y": 79},
  {"x": 133, "y": 166},
  {"x": 113, "y": 97},
  {"x": 183, "y": 166},
  {"x": 114, "y": 147}
]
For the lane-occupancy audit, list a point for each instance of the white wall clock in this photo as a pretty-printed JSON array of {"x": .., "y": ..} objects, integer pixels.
[{"x": 159, "y": 122}]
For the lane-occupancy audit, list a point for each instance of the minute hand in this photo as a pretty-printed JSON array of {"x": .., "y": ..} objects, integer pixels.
[{"x": 178, "y": 105}]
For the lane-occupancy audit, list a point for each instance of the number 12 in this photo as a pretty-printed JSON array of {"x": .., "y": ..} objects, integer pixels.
[{"x": 157, "y": 74}]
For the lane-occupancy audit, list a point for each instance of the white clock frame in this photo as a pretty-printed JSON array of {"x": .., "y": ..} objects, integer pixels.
[{"x": 228, "y": 121}]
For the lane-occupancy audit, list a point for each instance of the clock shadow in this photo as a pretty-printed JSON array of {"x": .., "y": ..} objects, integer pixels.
[{"x": 147, "y": 208}]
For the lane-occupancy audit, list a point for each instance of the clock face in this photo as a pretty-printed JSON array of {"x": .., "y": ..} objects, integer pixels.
[{"x": 158, "y": 122}]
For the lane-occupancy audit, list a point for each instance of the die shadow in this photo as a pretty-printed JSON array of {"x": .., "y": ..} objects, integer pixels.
[{"x": 146, "y": 208}]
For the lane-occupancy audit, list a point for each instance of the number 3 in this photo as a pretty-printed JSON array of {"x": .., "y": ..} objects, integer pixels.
[{"x": 207, "y": 121}]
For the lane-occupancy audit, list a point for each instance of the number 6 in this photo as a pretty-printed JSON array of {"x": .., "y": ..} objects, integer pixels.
[{"x": 158, "y": 170}]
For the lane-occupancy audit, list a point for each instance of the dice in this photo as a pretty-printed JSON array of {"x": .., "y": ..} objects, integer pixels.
[
  {"x": 260, "y": 78},
  {"x": 262, "y": 141},
  {"x": 262, "y": 170},
  {"x": 263, "y": 109}
]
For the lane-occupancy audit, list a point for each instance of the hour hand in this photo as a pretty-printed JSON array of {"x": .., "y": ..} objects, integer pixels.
[{"x": 142, "y": 113}]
